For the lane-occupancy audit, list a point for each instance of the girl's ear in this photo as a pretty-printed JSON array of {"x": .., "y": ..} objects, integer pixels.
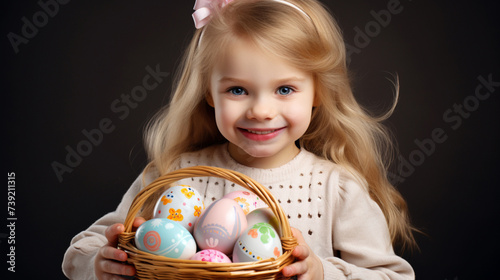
[{"x": 210, "y": 100}]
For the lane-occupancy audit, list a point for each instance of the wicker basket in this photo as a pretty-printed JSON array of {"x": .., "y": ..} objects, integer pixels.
[{"x": 149, "y": 266}]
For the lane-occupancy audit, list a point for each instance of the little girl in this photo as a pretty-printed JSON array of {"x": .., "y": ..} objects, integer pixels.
[{"x": 264, "y": 91}]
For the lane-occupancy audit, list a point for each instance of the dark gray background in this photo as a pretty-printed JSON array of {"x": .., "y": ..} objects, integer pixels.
[{"x": 65, "y": 78}]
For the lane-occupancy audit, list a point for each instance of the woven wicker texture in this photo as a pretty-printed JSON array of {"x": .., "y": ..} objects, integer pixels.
[{"x": 151, "y": 266}]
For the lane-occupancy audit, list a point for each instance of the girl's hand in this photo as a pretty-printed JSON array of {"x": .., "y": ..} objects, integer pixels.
[
  {"x": 307, "y": 266},
  {"x": 109, "y": 260}
]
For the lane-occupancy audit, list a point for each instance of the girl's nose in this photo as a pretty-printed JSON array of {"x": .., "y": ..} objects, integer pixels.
[{"x": 262, "y": 109}]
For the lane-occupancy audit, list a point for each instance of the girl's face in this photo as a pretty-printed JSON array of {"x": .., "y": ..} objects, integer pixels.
[{"x": 262, "y": 105}]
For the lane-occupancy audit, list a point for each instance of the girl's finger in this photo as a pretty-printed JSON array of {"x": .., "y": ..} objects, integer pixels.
[
  {"x": 112, "y": 267},
  {"x": 297, "y": 234},
  {"x": 296, "y": 268},
  {"x": 109, "y": 252},
  {"x": 301, "y": 252},
  {"x": 112, "y": 233},
  {"x": 138, "y": 221}
]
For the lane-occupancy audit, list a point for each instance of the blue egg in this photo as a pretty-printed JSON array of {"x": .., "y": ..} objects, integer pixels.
[{"x": 164, "y": 237}]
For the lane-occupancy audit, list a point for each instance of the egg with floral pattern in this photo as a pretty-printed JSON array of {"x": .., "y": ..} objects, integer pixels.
[
  {"x": 263, "y": 215},
  {"x": 258, "y": 242},
  {"x": 248, "y": 201},
  {"x": 164, "y": 237},
  {"x": 182, "y": 204},
  {"x": 209, "y": 255}
]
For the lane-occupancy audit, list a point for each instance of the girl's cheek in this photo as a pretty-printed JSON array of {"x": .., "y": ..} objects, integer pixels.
[
  {"x": 297, "y": 111},
  {"x": 299, "y": 117},
  {"x": 227, "y": 116}
]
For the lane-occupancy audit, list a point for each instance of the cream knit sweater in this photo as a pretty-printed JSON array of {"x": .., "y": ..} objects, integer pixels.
[{"x": 337, "y": 217}]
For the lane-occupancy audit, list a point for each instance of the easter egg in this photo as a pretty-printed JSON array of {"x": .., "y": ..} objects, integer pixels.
[
  {"x": 259, "y": 242},
  {"x": 220, "y": 225},
  {"x": 263, "y": 215},
  {"x": 248, "y": 201},
  {"x": 210, "y": 255},
  {"x": 181, "y": 204},
  {"x": 164, "y": 237}
]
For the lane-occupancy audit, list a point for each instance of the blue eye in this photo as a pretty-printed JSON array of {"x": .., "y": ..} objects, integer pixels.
[
  {"x": 237, "y": 91},
  {"x": 285, "y": 90}
]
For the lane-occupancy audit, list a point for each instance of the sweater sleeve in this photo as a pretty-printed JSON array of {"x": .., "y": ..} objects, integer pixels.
[
  {"x": 78, "y": 262},
  {"x": 361, "y": 235}
]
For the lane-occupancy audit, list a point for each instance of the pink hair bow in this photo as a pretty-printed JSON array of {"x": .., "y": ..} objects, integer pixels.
[{"x": 203, "y": 10}]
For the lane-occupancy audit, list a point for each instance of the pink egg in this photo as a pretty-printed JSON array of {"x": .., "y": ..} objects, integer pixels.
[
  {"x": 210, "y": 255},
  {"x": 247, "y": 200},
  {"x": 220, "y": 225}
]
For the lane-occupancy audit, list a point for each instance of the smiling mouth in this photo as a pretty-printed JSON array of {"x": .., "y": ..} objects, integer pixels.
[{"x": 260, "y": 132}]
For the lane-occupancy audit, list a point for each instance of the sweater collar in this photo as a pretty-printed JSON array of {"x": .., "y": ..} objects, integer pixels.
[{"x": 267, "y": 176}]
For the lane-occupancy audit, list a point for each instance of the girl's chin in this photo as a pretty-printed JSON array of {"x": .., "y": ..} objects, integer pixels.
[
  {"x": 254, "y": 153},
  {"x": 260, "y": 157},
  {"x": 242, "y": 152}
]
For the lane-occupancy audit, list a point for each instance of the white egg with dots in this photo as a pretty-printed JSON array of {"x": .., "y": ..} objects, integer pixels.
[{"x": 181, "y": 204}]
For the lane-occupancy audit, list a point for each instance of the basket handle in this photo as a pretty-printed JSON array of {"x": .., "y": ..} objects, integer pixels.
[{"x": 288, "y": 241}]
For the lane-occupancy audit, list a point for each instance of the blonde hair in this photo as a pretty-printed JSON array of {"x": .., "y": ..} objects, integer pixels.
[{"x": 340, "y": 129}]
